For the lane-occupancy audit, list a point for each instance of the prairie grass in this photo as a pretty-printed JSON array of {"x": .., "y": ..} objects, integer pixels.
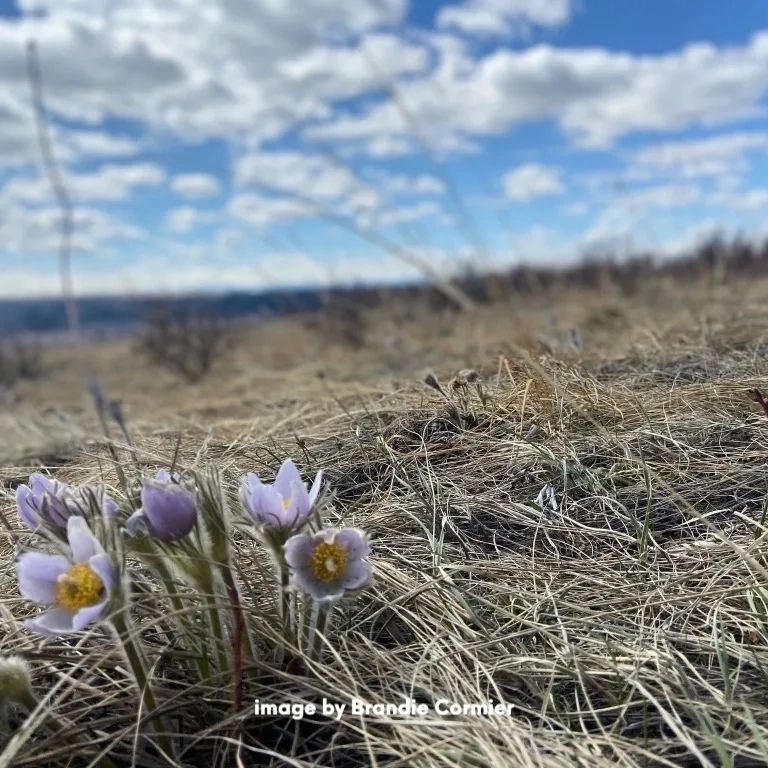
[{"x": 584, "y": 538}]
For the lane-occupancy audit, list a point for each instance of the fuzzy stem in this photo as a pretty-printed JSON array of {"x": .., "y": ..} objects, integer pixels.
[
  {"x": 136, "y": 662},
  {"x": 238, "y": 630}
]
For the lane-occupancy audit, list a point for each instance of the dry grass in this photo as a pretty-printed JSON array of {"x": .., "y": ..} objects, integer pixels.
[{"x": 627, "y": 620}]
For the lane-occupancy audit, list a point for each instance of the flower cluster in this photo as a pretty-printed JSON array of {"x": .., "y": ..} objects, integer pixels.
[
  {"x": 79, "y": 584},
  {"x": 178, "y": 526},
  {"x": 324, "y": 564}
]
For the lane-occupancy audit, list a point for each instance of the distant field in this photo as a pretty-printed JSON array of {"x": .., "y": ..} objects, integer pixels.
[{"x": 623, "y": 611}]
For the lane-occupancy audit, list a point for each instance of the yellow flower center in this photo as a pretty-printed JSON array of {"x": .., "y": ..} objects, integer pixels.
[
  {"x": 328, "y": 561},
  {"x": 79, "y": 587}
]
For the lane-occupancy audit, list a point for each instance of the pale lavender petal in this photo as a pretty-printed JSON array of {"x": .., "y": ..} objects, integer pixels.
[
  {"x": 42, "y": 484},
  {"x": 356, "y": 575},
  {"x": 354, "y": 542},
  {"x": 318, "y": 590},
  {"x": 298, "y": 549},
  {"x": 315, "y": 490},
  {"x": 37, "y": 574},
  {"x": 169, "y": 508},
  {"x": 135, "y": 522},
  {"x": 286, "y": 476},
  {"x": 163, "y": 476},
  {"x": 109, "y": 507},
  {"x": 57, "y": 621},
  {"x": 82, "y": 542},
  {"x": 25, "y": 503},
  {"x": 105, "y": 570},
  {"x": 297, "y": 507},
  {"x": 271, "y": 511},
  {"x": 88, "y": 615}
]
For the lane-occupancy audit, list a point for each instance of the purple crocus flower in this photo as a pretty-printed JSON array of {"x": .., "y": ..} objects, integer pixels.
[
  {"x": 47, "y": 501},
  {"x": 43, "y": 501},
  {"x": 327, "y": 563},
  {"x": 168, "y": 509},
  {"x": 77, "y": 587},
  {"x": 283, "y": 505}
]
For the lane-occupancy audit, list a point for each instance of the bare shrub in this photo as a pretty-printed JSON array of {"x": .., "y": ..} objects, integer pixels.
[
  {"x": 345, "y": 320},
  {"x": 19, "y": 359},
  {"x": 186, "y": 343}
]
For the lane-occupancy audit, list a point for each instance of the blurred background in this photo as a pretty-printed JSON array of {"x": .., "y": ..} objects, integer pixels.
[
  {"x": 212, "y": 211},
  {"x": 263, "y": 145}
]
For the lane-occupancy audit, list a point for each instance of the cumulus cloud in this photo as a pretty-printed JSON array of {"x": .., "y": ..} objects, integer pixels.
[
  {"x": 205, "y": 69},
  {"x": 195, "y": 185},
  {"x": 713, "y": 156},
  {"x": 595, "y": 95},
  {"x": 31, "y": 231},
  {"x": 108, "y": 183},
  {"x": 527, "y": 182},
  {"x": 504, "y": 18},
  {"x": 185, "y": 218}
]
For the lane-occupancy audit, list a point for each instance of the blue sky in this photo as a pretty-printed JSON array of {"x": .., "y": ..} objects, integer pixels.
[{"x": 251, "y": 143}]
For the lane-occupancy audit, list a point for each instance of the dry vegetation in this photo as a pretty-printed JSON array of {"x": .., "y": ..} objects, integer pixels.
[{"x": 625, "y": 614}]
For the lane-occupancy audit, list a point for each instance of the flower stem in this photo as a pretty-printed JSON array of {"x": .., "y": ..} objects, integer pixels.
[{"x": 137, "y": 664}]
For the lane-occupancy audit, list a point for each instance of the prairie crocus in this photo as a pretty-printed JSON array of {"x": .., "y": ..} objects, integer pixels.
[
  {"x": 43, "y": 500},
  {"x": 168, "y": 509},
  {"x": 328, "y": 563},
  {"x": 47, "y": 501},
  {"x": 282, "y": 506},
  {"x": 77, "y": 587}
]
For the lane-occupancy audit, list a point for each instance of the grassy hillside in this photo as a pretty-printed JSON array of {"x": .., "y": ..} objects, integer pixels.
[{"x": 569, "y": 518}]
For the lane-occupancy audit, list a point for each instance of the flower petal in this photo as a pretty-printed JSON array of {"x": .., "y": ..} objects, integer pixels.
[
  {"x": 169, "y": 508},
  {"x": 57, "y": 621},
  {"x": 135, "y": 522},
  {"x": 105, "y": 570},
  {"x": 298, "y": 549},
  {"x": 286, "y": 476},
  {"x": 37, "y": 574},
  {"x": 82, "y": 542},
  {"x": 109, "y": 507},
  {"x": 315, "y": 490},
  {"x": 88, "y": 615},
  {"x": 354, "y": 541},
  {"x": 356, "y": 575},
  {"x": 318, "y": 590},
  {"x": 25, "y": 503}
]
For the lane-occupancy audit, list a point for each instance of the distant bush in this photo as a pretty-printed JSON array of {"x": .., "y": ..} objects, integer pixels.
[
  {"x": 187, "y": 344},
  {"x": 19, "y": 359},
  {"x": 345, "y": 319}
]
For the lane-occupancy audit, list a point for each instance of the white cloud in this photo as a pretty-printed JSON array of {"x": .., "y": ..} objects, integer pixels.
[
  {"x": 185, "y": 218},
  {"x": 79, "y": 144},
  {"x": 195, "y": 185},
  {"x": 595, "y": 95},
  {"x": 504, "y": 18},
  {"x": 261, "y": 211},
  {"x": 240, "y": 68},
  {"x": 403, "y": 184},
  {"x": 27, "y": 231},
  {"x": 311, "y": 182},
  {"x": 527, "y": 182},
  {"x": 722, "y": 155},
  {"x": 109, "y": 183}
]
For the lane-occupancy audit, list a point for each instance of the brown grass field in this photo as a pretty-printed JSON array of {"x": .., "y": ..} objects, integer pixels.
[{"x": 627, "y": 621}]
